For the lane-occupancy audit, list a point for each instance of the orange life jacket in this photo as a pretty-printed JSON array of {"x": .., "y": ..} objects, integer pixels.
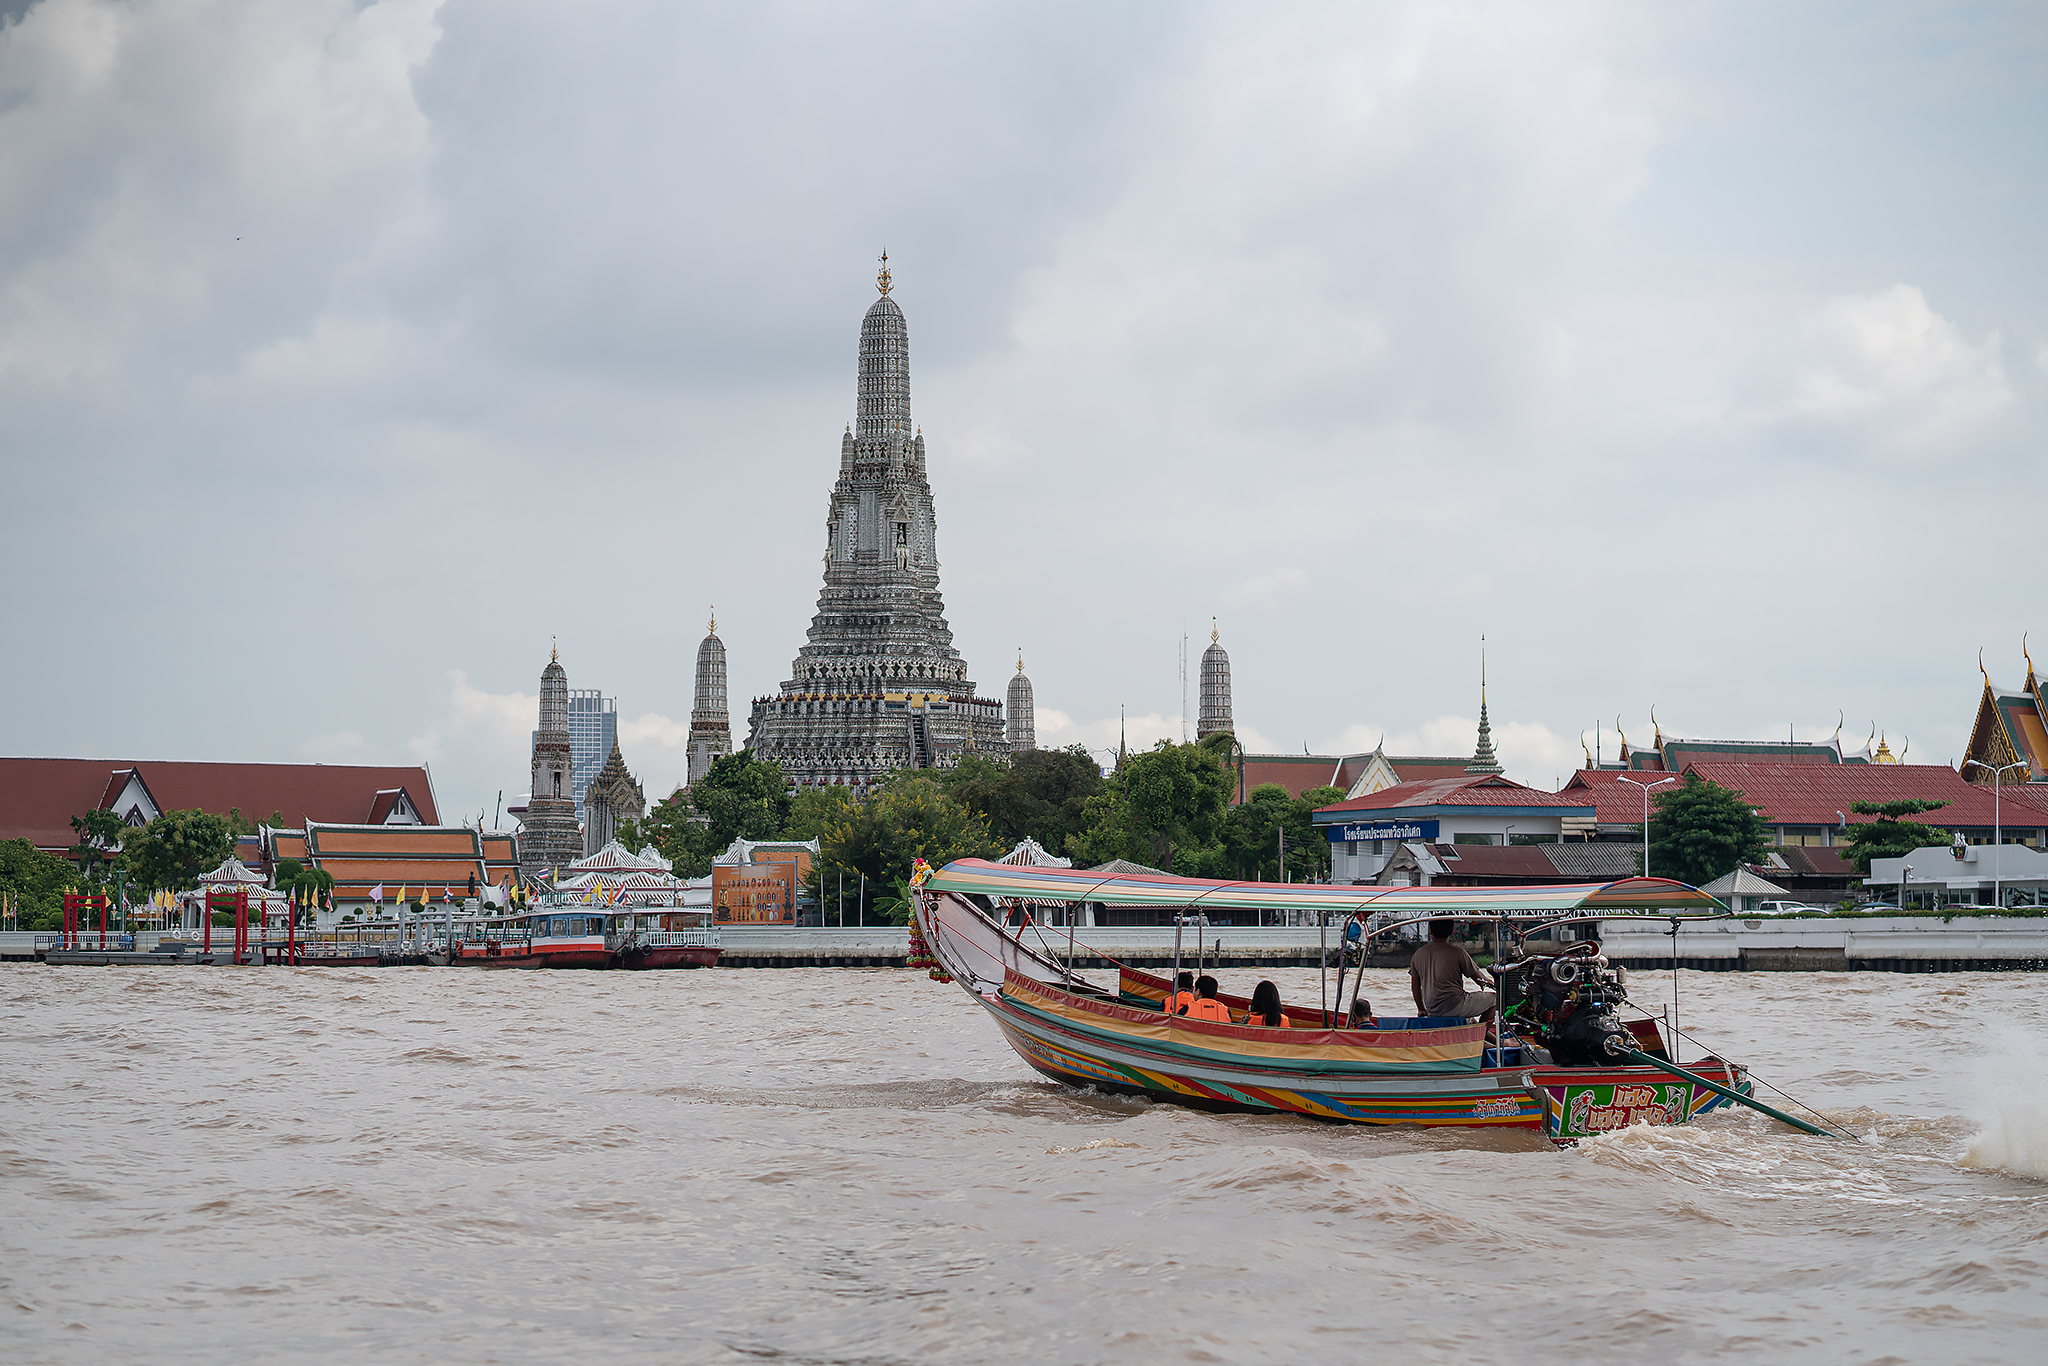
[
  {"x": 1209, "y": 1008},
  {"x": 1179, "y": 1003}
]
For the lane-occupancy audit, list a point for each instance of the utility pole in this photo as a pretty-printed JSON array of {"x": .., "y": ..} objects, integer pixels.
[{"x": 1646, "y": 815}]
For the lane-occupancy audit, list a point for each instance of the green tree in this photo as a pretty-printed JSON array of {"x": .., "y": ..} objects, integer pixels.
[
  {"x": 1164, "y": 809},
  {"x": 1891, "y": 835},
  {"x": 39, "y": 880},
  {"x": 172, "y": 851},
  {"x": 739, "y": 797},
  {"x": 816, "y": 809},
  {"x": 1250, "y": 841},
  {"x": 1701, "y": 830},
  {"x": 310, "y": 883},
  {"x": 1040, "y": 794},
  {"x": 908, "y": 819},
  {"x": 99, "y": 843}
]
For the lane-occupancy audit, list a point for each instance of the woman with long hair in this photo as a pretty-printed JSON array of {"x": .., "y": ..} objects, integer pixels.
[{"x": 1266, "y": 1007}]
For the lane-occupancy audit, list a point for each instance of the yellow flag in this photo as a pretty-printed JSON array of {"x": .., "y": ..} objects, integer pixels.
[{"x": 401, "y": 893}]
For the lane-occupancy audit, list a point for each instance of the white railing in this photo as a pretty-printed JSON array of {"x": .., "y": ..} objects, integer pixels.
[{"x": 669, "y": 939}]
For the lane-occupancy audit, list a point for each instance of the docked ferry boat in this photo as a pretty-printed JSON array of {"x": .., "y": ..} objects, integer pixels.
[
  {"x": 578, "y": 937},
  {"x": 1568, "y": 1054}
]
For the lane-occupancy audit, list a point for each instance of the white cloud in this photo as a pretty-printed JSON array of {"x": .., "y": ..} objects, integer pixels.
[
  {"x": 340, "y": 747},
  {"x": 474, "y": 723},
  {"x": 1886, "y": 366},
  {"x": 657, "y": 750}
]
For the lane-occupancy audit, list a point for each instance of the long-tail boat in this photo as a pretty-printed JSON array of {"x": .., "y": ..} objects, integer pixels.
[{"x": 1563, "y": 1055}]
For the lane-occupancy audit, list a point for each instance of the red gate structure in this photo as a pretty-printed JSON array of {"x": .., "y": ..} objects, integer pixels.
[
  {"x": 78, "y": 909},
  {"x": 239, "y": 899}
]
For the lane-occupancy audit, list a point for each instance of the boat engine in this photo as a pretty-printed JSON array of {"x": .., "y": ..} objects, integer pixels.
[{"x": 1569, "y": 1004}]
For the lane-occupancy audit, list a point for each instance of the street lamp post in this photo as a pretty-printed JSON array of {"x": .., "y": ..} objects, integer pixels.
[
  {"x": 1646, "y": 814},
  {"x": 1997, "y": 824},
  {"x": 1905, "y": 875}
]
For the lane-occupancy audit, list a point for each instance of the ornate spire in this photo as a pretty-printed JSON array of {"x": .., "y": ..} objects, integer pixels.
[
  {"x": 554, "y": 651},
  {"x": 712, "y": 629},
  {"x": 882, "y": 281},
  {"x": 1884, "y": 753},
  {"x": 1215, "y": 636},
  {"x": 1483, "y": 760},
  {"x": 1020, "y": 659}
]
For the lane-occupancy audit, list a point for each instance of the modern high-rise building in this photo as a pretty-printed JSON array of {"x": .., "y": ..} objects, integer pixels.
[
  {"x": 878, "y": 686},
  {"x": 593, "y": 733},
  {"x": 1215, "y": 713},
  {"x": 710, "y": 714},
  {"x": 1023, "y": 728}
]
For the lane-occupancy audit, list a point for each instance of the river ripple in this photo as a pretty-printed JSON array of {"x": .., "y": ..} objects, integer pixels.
[{"x": 850, "y": 1166}]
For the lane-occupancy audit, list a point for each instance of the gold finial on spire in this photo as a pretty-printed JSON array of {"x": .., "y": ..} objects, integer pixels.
[
  {"x": 554, "y": 651},
  {"x": 1215, "y": 636},
  {"x": 1981, "y": 669},
  {"x": 882, "y": 280},
  {"x": 1020, "y": 659},
  {"x": 2029, "y": 658},
  {"x": 714, "y": 621}
]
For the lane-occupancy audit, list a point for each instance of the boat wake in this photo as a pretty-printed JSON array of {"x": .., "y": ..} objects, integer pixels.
[{"x": 2012, "y": 1082}]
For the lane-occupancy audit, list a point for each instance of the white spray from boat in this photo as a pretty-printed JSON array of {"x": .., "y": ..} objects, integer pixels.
[{"x": 2012, "y": 1086}]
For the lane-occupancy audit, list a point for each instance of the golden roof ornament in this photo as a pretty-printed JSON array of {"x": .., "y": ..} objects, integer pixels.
[
  {"x": 1884, "y": 753},
  {"x": 554, "y": 651},
  {"x": 1020, "y": 659},
  {"x": 882, "y": 280},
  {"x": 714, "y": 621},
  {"x": 1215, "y": 637}
]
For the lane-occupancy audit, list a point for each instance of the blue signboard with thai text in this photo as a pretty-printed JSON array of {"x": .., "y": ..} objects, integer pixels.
[{"x": 1383, "y": 830}]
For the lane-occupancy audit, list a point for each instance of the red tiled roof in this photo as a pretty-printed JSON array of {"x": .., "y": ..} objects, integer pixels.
[
  {"x": 1613, "y": 801},
  {"x": 38, "y": 797},
  {"x": 1463, "y": 790},
  {"x": 1295, "y": 772},
  {"x": 1415, "y": 768},
  {"x": 1520, "y": 862},
  {"x": 1813, "y": 794}
]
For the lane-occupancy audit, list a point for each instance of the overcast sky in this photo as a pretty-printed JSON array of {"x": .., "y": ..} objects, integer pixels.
[{"x": 1695, "y": 355}]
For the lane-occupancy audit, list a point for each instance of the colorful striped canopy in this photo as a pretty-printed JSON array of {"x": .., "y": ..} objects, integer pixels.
[{"x": 981, "y": 878}]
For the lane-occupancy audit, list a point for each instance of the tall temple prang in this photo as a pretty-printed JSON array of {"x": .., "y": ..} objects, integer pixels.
[
  {"x": 1215, "y": 713},
  {"x": 1023, "y": 729},
  {"x": 549, "y": 836},
  {"x": 710, "y": 716},
  {"x": 879, "y": 685}
]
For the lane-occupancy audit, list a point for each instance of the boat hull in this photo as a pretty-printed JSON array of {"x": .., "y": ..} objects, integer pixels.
[{"x": 672, "y": 956}]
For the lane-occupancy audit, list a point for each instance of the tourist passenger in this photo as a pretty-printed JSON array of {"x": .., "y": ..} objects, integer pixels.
[
  {"x": 1266, "y": 1007},
  {"x": 1206, "y": 1006},
  {"x": 1177, "y": 1002},
  {"x": 1438, "y": 973},
  {"x": 1361, "y": 1013}
]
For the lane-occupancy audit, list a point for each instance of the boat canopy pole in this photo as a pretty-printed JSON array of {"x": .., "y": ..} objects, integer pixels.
[{"x": 1637, "y": 1055}]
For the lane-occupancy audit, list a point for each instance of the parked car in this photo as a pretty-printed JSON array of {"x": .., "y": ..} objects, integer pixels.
[
  {"x": 1876, "y": 908},
  {"x": 1781, "y": 908}
]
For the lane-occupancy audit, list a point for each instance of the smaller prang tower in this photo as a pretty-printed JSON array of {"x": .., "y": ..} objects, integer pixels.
[
  {"x": 1215, "y": 714},
  {"x": 1483, "y": 760},
  {"x": 613, "y": 798},
  {"x": 550, "y": 836},
  {"x": 1022, "y": 731},
  {"x": 710, "y": 716}
]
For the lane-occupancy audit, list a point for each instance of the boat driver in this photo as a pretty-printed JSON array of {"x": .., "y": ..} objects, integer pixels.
[{"x": 1438, "y": 973}]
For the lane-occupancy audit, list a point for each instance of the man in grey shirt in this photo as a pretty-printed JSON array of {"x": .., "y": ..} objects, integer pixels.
[{"x": 1438, "y": 973}]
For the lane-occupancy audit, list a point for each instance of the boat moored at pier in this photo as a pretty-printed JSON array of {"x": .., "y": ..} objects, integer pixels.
[{"x": 576, "y": 937}]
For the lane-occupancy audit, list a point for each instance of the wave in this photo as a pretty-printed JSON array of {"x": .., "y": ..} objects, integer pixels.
[{"x": 2012, "y": 1108}]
